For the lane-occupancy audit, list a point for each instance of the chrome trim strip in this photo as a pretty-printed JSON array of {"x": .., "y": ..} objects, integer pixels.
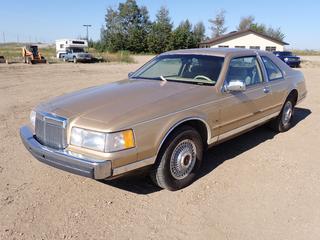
[
  {"x": 65, "y": 159},
  {"x": 247, "y": 126},
  {"x": 133, "y": 166},
  {"x": 213, "y": 140},
  {"x": 52, "y": 118}
]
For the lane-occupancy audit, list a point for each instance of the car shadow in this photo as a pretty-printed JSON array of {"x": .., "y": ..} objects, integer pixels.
[{"x": 140, "y": 183}]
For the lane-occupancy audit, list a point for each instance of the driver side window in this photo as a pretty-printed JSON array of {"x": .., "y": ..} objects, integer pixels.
[{"x": 245, "y": 69}]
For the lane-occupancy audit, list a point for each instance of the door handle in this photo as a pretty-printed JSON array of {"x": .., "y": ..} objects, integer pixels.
[{"x": 266, "y": 89}]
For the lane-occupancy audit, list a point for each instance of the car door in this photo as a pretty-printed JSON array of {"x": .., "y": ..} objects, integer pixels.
[
  {"x": 239, "y": 110},
  {"x": 277, "y": 84}
]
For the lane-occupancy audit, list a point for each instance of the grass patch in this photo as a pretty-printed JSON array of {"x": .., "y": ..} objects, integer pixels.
[
  {"x": 13, "y": 53},
  {"x": 121, "y": 56},
  {"x": 306, "y": 52}
]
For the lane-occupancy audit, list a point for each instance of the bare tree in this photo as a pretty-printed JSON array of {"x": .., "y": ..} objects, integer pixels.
[
  {"x": 218, "y": 24},
  {"x": 245, "y": 23}
]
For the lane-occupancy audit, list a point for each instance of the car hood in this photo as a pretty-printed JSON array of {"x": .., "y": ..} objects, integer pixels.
[{"x": 120, "y": 103}]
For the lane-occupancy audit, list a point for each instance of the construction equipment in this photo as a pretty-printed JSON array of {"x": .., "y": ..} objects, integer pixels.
[
  {"x": 32, "y": 55},
  {"x": 3, "y": 60}
]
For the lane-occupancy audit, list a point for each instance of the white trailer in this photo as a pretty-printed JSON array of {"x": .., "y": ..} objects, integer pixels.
[{"x": 63, "y": 44}]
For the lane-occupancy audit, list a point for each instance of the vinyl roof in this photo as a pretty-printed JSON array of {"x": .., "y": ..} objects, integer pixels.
[{"x": 220, "y": 52}]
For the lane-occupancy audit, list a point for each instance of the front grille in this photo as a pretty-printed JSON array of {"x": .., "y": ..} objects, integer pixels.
[{"x": 50, "y": 130}]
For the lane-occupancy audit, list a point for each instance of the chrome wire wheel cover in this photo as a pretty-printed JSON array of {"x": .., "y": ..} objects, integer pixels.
[
  {"x": 287, "y": 113},
  {"x": 183, "y": 159}
]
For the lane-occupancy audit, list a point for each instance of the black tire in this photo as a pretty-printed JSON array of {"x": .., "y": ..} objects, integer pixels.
[
  {"x": 166, "y": 171},
  {"x": 283, "y": 121}
]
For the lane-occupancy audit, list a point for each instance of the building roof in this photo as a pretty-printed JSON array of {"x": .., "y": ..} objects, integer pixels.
[{"x": 236, "y": 34}]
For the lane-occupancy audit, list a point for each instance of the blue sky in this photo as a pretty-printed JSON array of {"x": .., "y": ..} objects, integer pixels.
[{"x": 39, "y": 20}]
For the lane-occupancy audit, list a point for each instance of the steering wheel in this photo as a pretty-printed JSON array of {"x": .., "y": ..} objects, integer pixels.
[{"x": 203, "y": 77}]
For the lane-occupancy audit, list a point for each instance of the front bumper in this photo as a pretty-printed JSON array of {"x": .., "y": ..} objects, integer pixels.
[
  {"x": 80, "y": 59},
  {"x": 64, "y": 159},
  {"x": 293, "y": 63}
]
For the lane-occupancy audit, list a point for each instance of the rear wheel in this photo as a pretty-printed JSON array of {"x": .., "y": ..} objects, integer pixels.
[
  {"x": 179, "y": 159},
  {"x": 283, "y": 122}
]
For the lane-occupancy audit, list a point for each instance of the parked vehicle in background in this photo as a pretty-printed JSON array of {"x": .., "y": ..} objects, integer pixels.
[
  {"x": 289, "y": 58},
  {"x": 2, "y": 59},
  {"x": 62, "y": 45},
  {"x": 165, "y": 115},
  {"x": 32, "y": 55},
  {"x": 77, "y": 55}
]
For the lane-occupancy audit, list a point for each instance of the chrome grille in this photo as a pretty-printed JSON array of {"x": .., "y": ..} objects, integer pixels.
[{"x": 51, "y": 130}]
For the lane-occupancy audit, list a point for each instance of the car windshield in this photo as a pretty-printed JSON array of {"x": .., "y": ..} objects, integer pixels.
[
  {"x": 187, "y": 68},
  {"x": 286, "y": 53}
]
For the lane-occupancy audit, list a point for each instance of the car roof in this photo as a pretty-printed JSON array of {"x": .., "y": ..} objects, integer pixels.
[{"x": 220, "y": 52}]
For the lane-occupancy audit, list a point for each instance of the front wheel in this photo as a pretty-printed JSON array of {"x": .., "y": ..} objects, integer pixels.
[
  {"x": 179, "y": 159},
  {"x": 284, "y": 120},
  {"x": 75, "y": 60}
]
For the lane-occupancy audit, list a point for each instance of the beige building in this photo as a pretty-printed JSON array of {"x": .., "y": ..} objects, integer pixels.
[{"x": 245, "y": 39}]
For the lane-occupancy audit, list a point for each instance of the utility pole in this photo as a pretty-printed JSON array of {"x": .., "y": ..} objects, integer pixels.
[
  {"x": 87, "y": 26},
  {"x": 4, "y": 37}
]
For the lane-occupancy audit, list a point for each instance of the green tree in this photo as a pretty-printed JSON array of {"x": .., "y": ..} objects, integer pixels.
[
  {"x": 218, "y": 24},
  {"x": 160, "y": 33},
  {"x": 275, "y": 33},
  {"x": 183, "y": 37},
  {"x": 245, "y": 23},
  {"x": 260, "y": 28},
  {"x": 126, "y": 28},
  {"x": 113, "y": 34},
  {"x": 199, "y": 31},
  {"x": 249, "y": 23},
  {"x": 269, "y": 31},
  {"x": 135, "y": 24}
]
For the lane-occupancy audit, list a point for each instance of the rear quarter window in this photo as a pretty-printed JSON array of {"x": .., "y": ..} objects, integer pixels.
[{"x": 273, "y": 71}]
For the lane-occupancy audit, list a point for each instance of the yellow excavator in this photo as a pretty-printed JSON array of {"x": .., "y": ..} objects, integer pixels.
[{"x": 32, "y": 55}]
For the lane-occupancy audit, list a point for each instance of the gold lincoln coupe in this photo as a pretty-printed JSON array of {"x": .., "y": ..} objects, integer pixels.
[{"x": 165, "y": 115}]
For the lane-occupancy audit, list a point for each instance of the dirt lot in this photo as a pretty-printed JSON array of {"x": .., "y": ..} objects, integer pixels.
[{"x": 258, "y": 186}]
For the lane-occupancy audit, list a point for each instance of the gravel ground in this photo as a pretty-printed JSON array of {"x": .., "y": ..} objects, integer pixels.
[{"x": 260, "y": 185}]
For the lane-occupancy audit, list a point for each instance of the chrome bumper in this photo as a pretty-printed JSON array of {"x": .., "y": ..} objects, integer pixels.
[{"x": 65, "y": 160}]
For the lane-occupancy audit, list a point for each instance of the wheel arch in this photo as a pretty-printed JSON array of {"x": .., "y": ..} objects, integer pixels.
[
  {"x": 196, "y": 122},
  {"x": 294, "y": 94}
]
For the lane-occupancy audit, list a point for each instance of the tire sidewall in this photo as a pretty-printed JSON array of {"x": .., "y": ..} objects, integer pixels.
[
  {"x": 171, "y": 182},
  {"x": 282, "y": 127}
]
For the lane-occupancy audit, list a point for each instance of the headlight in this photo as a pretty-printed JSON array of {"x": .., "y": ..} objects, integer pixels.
[
  {"x": 286, "y": 59},
  {"x": 120, "y": 141},
  {"x": 33, "y": 118},
  {"x": 103, "y": 142}
]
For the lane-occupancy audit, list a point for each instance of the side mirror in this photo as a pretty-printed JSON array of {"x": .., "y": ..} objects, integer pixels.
[
  {"x": 130, "y": 74},
  {"x": 235, "y": 86}
]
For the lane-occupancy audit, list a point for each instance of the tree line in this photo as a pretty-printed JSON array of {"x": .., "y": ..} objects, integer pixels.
[{"x": 129, "y": 28}]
